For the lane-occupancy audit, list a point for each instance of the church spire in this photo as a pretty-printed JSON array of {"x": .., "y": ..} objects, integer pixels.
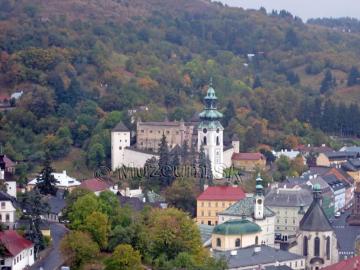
[
  {"x": 210, "y": 112},
  {"x": 259, "y": 185}
]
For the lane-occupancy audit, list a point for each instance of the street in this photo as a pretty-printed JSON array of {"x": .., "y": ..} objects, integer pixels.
[
  {"x": 346, "y": 235},
  {"x": 54, "y": 259}
]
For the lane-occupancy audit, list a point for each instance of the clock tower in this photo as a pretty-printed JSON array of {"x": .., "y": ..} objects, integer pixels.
[
  {"x": 210, "y": 133},
  {"x": 259, "y": 199}
]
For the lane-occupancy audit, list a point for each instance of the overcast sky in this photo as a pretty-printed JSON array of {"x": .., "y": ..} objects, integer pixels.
[{"x": 305, "y": 8}]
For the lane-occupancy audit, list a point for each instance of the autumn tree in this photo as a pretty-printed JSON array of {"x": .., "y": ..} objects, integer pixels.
[
  {"x": 97, "y": 224},
  {"x": 78, "y": 248},
  {"x": 124, "y": 257}
]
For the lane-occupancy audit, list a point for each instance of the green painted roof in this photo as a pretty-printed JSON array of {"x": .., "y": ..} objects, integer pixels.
[
  {"x": 237, "y": 227},
  {"x": 211, "y": 94},
  {"x": 210, "y": 125}
]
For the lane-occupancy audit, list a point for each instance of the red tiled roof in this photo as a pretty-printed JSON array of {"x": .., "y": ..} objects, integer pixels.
[
  {"x": 247, "y": 156},
  {"x": 4, "y": 97},
  {"x": 349, "y": 264},
  {"x": 94, "y": 185},
  {"x": 222, "y": 193},
  {"x": 13, "y": 242}
]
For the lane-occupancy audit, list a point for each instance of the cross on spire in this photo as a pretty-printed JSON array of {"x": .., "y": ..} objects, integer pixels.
[{"x": 211, "y": 81}]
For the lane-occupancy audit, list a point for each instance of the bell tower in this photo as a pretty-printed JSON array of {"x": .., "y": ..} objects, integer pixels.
[
  {"x": 259, "y": 199},
  {"x": 210, "y": 133}
]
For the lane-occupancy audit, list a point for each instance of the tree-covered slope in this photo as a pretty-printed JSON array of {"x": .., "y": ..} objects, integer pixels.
[{"x": 83, "y": 63}]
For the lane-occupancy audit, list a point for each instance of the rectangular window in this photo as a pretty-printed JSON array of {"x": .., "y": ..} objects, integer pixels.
[
  {"x": 7, "y": 217},
  {"x": 2, "y": 205}
]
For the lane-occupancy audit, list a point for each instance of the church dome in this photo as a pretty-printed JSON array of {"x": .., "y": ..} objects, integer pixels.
[
  {"x": 237, "y": 227},
  {"x": 211, "y": 94}
]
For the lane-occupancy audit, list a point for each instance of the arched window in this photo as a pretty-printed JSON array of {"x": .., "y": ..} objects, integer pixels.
[
  {"x": 218, "y": 242},
  {"x": 328, "y": 248},
  {"x": 217, "y": 140},
  {"x": 317, "y": 246},
  {"x": 237, "y": 243},
  {"x": 305, "y": 246},
  {"x": 205, "y": 141},
  {"x": 256, "y": 240}
]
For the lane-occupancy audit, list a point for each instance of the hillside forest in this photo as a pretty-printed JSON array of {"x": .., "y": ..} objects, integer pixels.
[{"x": 82, "y": 64}]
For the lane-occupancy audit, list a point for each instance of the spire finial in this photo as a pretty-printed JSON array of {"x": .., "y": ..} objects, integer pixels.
[
  {"x": 211, "y": 81},
  {"x": 1, "y": 150}
]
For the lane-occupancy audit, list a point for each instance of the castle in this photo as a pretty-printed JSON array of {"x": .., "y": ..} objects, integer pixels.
[{"x": 207, "y": 133}]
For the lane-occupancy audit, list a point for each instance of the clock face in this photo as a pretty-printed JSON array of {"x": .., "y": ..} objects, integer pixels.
[
  {"x": 259, "y": 201},
  {"x": 204, "y": 130}
]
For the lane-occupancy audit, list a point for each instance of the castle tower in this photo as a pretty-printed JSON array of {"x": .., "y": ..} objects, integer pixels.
[
  {"x": 210, "y": 133},
  {"x": 259, "y": 199},
  {"x": 120, "y": 139}
]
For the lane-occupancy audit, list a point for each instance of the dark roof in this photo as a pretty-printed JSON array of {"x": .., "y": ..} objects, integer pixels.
[
  {"x": 6, "y": 197},
  {"x": 351, "y": 165},
  {"x": 340, "y": 155},
  {"x": 279, "y": 267},
  {"x": 246, "y": 257},
  {"x": 294, "y": 197},
  {"x": 315, "y": 218},
  {"x": 56, "y": 204},
  {"x": 133, "y": 202},
  {"x": 333, "y": 182},
  {"x": 120, "y": 127}
]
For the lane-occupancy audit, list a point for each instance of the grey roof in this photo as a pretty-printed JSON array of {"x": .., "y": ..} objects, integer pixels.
[
  {"x": 315, "y": 219},
  {"x": 6, "y": 197},
  {"x": 245, "y": 207},
  {"x": 120, "y": 127},
  {"x": 352, "y": 165},
  {"x": 56, "y": 204},
  {"x": 333, "y": 182},
  {"x": 205, "y": 232},
  {"x": 289, "y": 197},
  {"x": 247, "y": 257},
  {"x": 279, "y": 267},
  {"x": 340, "y": 155},
  {"x": 351, "y": 149}
]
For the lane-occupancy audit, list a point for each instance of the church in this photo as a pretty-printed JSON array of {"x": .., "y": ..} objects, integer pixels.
[
  {"x": 316, "y": 239},
  {"x": 207, "y": 132}
]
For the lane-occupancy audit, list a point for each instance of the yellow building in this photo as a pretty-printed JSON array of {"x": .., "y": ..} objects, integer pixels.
[
  {"x": 215, "y": 200},
  {"x": 235, "y": 234},
  {"x": 248, "y": 161}
]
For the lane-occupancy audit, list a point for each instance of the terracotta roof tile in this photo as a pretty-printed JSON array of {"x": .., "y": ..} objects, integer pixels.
[
  {"x": 247, "y": 156},
  {"x": 349, "y": 264},
  {"x": 13, "y": 242},
  {"x": 222, "y": 193},
  {"x": 95, "y": 184}
]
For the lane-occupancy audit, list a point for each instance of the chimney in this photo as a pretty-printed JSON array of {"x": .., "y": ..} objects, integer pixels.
[
  {"x": 233, "y": 252},
  {"x": 205, "y": 187},
  {"x": 257, "y": 250},
  {"x": 2, "y": 174},
  {"x": 64, "y": 172},
  {"x": 127, "y": 192},
  {"x": 115, "y": 187}
]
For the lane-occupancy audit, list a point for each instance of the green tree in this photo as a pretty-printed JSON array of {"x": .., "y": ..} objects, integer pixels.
[
  {"x": 229, "y": 113},
  {"x": 171, "y": 232},
  {"x": 181, "y": 194},
  {"x": 257, "y": 82},
  {"x": 46, "y": 182},
  {"x": 78, "y": 248},
  {"x": 81, "y": 209},
  {"x": 124, "y": 257},
  {"x": 328, "y": 83},
  {"x": 164, "y": 163},
  {"x": 96, "y": 155},
  {"x": 97, "y": 225}
]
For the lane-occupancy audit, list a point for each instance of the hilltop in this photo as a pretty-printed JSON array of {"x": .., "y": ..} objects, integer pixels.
[{"x": 82, "y": 64}]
